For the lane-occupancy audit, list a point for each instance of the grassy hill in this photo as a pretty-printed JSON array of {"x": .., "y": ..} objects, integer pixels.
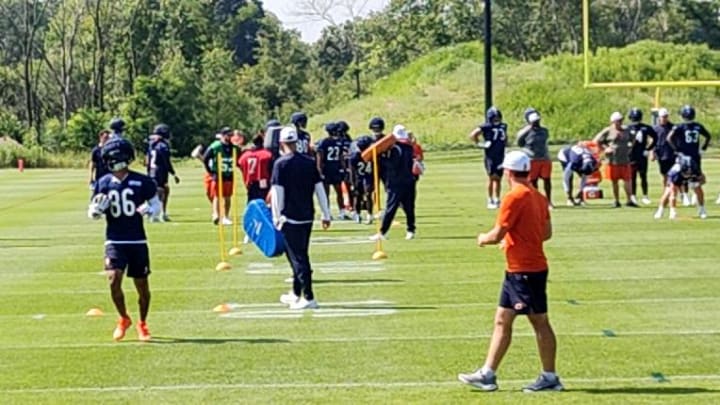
[{"x": 441, "y": 96}]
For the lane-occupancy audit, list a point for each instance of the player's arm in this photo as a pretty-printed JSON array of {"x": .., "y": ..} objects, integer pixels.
[
  {"x": 567, "y": 180},
  {"x": 653, "y": 139},
  {"x": 670, "y": 139},
  {"x": 324, "y": 205},
  {"x": 91, "y": 169},
  {"x": 522, "y": 135},
  {"x": 475, "y": 135},
  {"x": 207, "y": 157},
  {"x": 493, "y": 237},
  {"x": 319, "y": 159},
  {"x": 705, "y": 134},
  {"x": 548, "y": 230},
  {"x": 601, "y": 137}
]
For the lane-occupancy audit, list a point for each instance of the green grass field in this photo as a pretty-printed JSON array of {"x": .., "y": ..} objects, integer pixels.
[{"x": 397, "y": 331}]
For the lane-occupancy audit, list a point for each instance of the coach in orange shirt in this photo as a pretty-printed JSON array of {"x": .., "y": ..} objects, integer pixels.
[{"x": 523, "y": 224}]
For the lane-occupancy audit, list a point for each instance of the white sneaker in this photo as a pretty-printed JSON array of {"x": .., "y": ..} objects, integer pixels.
[
  {"x": 246, "y": 240},
  {"x": 227, "y": 221},
  {"x": 378, "y": 236},
  {"x": 702, "y": 213},
  {"x": 289, "y": 298},
  {"x": 410, "y": 235},
  {"x": 685, "y": 200},
  {"x": 673, "y": 214},
  {"x": 356, "y": 217},
  {"x": 658, "y": 213},
  {"x": 634, "y": 200},
  {"x": 369, "y": 220},
  {"x": 302, "y": 303},
  {"x": 646, "y": 200},
  {"x": 491, "y": 205}
]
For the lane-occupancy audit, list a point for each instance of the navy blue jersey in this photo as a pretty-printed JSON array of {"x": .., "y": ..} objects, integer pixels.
[
  {"x": 643, "y": 139},
  {"x": 297, "y": 174},
  {"x": 159, "y": 164},
  {"x": 124, "y": 223},
  {"x": 580, "y": 159},
  {"x": 396, "y": 166},
  {"x": 303, "y": 143},
  {"x": 361, "y": 170},
  {"x": 663, "y": 151},
  {"x": 497, "y": 136},
  {"x": 687, "y": 138},
  {"x": 99, "y": 165},
  {"x": 332, "y": 154}
]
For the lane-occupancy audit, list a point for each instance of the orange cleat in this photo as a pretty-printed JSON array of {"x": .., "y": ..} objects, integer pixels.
[
  {"x": 143, "y": 332},
  {"x": 122, "y": 325}
]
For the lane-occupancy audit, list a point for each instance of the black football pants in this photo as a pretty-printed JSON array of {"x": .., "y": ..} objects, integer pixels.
[
  {"x": 297, "y": 243},
  {"x": 400, "y": 196}
]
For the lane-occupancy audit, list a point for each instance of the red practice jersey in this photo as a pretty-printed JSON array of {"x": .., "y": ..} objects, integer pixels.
[{"x": 255, "y": 166}]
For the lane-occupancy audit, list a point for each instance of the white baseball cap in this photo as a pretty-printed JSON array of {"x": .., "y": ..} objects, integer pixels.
[
  {"x": 663, "y": 112},
  {"x": 616, "y": 116},
  {"x": 400, "y": 132},
  {"x": 288, "y": 135},
  {"x": 533, "y": 117},
  {"x": 516, "y": 161}
]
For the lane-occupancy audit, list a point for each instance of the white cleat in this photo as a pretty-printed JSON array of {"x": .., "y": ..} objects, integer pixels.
[
  {"x": 246, "y": 240},
  {"x": 378, "y": 236},
  {"x": 673, "y": 214},
  {"x": 303, "y": 303},
  {"x": 227, "y": 221},
  {"x": 410, "y": 235},
  {"x": 685, "y": 200},
  {"x": 658, "y": 214},
  {"x": 646, "y": 200},
  {"x": 289, "y": 298},
  {"x": 702, "y": 213}
]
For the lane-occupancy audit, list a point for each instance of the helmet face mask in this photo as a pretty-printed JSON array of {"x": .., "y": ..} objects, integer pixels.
[
  {"x": 493, "y": 115},
  {"x": 118, "y": 154},
  {"x": 299, "y": 119},
  {"x": 635, "y": 114},
  {"x": 376, "y": 125},
  {"x": 687, "y": 113}
]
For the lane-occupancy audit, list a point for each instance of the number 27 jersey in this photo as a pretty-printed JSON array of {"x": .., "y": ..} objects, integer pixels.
[{"x": 124, "y": 223}]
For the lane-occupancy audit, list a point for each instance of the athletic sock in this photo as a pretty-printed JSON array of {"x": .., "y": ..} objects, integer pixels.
[
  {"x": 487, "y": 371},
  {"x": 549, "y": 375}
]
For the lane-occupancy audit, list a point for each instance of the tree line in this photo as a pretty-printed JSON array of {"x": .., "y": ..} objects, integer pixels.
[{"x": 67, "y": 66}]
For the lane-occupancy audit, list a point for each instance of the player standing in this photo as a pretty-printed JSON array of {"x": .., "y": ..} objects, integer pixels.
[
  {"x": 159, "y": 166},
  {"x": 494, "y": 133},
  {"x": 331, "y": 164},
  {"x": 304, "y": 145},
  {"x": 685, "y": 139},
  {"x": 224, "y": 147},
  {"x": 97, "y": 166},
  {"x": 534, "y": 139},
  {"x": 644, "y": 138},
  {"x": 124, "y": 196},
  {"x": 617, "y": 142},
  {"x": 663, "y": 153},
  {"x": 361, "y": 180}
]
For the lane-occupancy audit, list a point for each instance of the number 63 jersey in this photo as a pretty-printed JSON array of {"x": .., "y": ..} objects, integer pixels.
[{"x": 124, "y": 222}]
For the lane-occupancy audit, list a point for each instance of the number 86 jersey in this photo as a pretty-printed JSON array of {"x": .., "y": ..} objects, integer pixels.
[{"x": 124, "y": 222}]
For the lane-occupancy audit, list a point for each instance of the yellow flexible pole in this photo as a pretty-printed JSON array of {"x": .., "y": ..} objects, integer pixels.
[
  {"x": 379, "y": 253},
  {"x": 223, "y": 265},
  {"x": 235, "y": 249}
]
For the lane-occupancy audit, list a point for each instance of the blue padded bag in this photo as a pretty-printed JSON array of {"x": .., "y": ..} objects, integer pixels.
[{"x": 257, "y": 223}]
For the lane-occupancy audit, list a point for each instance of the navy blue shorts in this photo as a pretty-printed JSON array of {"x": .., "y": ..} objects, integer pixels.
[
  {"x": 492, "y": 166},
  {"x": 333, "y": 178},
  {"x": 665, "y": 165},
  {"x": 135, "y": 258},
  {"x": 525, "y": 292}
]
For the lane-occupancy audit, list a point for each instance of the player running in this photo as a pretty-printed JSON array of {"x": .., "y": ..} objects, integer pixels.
[
  {"x": 576, "y": 159},
  {"x": 685, "y": 139},
  {"x": 330, "y": 162},
  {"x": 124, "y": 196},
  {"x": 644, "y": 138},
  {"x": 685, "y": 171},
  {"x": 534, "y": 139},
  {"x": 494, "y": 133},
  {"x": 159, "y": 166}
]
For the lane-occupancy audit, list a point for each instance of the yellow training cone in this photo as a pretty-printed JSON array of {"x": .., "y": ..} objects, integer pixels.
[
  {"x": 94, "y": 312},
  {"x": 235, "y": 251},
  {"x": 222, "y": 308},
  {"x": 223, "y": 266}
]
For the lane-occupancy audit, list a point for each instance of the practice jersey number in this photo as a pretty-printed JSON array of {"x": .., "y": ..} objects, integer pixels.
[
  {"x": 498, "y": 134},
  {"x": 333, "y": 153},
  {"x": 692, "y": 136},
  {"x": 121, "y": 203}
]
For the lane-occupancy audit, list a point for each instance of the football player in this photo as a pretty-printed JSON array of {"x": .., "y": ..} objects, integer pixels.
[
  {"x": 123, "y": 197},
  {"x": 224, "y": 147},
  {"x": 159, "y": 166},
  {"x": 361, "y": 180},
  {"x": 117, "y": 127},
  {"x": 685, "y": 171},
  {"x": 331, "y": 164},
  {"x": 300, "y": 120},
  {"x": 685, "y": 139},
  {"x": 644, "y": 138},
  {"x": 96, "y": 166},
  {"x": 494, "y": 134},
  {"x": 377, "y": 126},
  {"x": 576, "y": 159},
  {"x": 663, "y": 153},
  {"x": 534, "y": 139}
]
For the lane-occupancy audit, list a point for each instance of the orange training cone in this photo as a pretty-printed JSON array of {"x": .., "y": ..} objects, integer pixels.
[
  {"x": 94, "y": 312},
  {"x": 222, "y": 308}
]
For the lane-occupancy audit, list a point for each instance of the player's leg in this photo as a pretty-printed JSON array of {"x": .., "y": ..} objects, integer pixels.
[
  {"x": 633, "y": 178},
  {"x": 546, "y": 175},
  {"x": 139, "y": 270},
  {"x": 393, "y": 203},
  {"x": 339, "y": 199},
  {"x": 408, "y": 204},
  {"x": 616, "y": 192},
  {"x": 227, "y": 197},
  {"x": 642, "y": 171},
  {"x": 700, "y": 194},
  {"x": 115, "y": 262}
]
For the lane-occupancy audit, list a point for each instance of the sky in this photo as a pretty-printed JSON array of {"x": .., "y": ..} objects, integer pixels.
[{"x": 310, "y": 29}]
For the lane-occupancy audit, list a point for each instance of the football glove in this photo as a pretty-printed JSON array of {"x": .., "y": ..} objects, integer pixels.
[{"x": 99, "y": 204}]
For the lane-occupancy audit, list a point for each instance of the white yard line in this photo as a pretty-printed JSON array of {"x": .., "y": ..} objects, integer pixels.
[
  {"x": 619, "y": 333},
  {"x": 341, "y": 385}
]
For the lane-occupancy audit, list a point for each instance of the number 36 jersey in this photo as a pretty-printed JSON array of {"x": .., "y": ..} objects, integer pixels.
[{"x": 124, "y": 222}]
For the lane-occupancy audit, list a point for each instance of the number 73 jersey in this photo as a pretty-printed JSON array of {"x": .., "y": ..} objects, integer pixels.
[{"x": 124, "y": 222}]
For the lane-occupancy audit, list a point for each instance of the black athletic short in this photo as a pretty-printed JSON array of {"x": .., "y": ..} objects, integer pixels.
[
  {"x": 525, "y": 292},
  {"x": 135, "y": 257},
  {"x": 493, "y": 166},
  {"x": 665, "y": 165},
  {"x": 254, "y": 192}
]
